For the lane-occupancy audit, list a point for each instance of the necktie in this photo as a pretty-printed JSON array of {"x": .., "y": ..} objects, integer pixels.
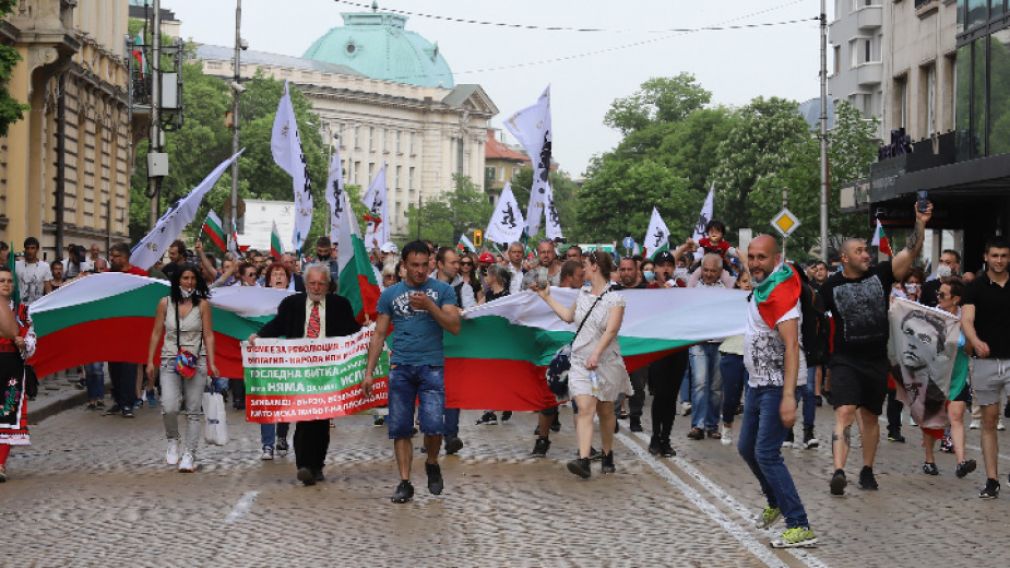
[{"x": 313, "y": 330}]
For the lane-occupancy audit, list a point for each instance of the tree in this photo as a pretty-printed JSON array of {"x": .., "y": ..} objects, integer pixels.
[
  {"x": 453, "y": 213},
  {"x": 11, "y": 110},
  {"x": 660, "y": 99}
]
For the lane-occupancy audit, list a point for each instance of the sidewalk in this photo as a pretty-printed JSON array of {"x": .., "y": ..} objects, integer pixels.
[{"x": 58, "y": 392}]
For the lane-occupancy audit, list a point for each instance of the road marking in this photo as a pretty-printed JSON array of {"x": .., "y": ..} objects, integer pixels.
[
  {"x": 760, "y": 551},
  {"x": 979, "y": 450},
  {"x": 243, "y": 506},
  {"x": 731, "y": 503}
]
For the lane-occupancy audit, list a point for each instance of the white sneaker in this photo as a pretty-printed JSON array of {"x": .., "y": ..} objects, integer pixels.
[
  {"x": 727, "y": 436},
  {"x": 268, "y": 453},
  {"x": 685, "y": 408},
  {"x": 172, "y": 453},
  {"x": 975, "y": 425},
  {"x": 911, "y": 421},
  {"x": 1000, "y": 426},
  {"x": 187, "y": 464}
]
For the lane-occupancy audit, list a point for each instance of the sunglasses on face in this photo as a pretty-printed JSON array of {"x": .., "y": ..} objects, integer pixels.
[{"x": 466, "y": 264}]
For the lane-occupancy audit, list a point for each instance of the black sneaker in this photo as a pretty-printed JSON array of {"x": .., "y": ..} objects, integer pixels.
[
  {"x": 991, "y": 489},
  {"x": 318, "y": 476},
  {"x": 930, "y": 469},
  {"x": 654, "y": 445},
  {"x": 453, "y": 445},
  {"x": 556, "y": 425},
  {"x": 506, "y": 415},
  {"x": 489, "y": 418},
  {"x": 696, "y": 434},
  {"x": 378, "y": 420},
  {"x": 838, "y": 482},
  {"x": 594, "y": 454},
  {"x": 895, "y": 437},
  {"x": 404, "y": 492},
  {"x": 435, "y": 484},
  {"x": 306, "y": 476},
  {"x": 818, "y": 402},
  {"x": 580, "y": 467},
  {"x": 964, "y": 468},
  {"x": 282, "y": 446},
  {"x": 635, "y": 424},
  {"x": 809, "y": 441},
  {"x": 114, "y": 409},
  {"x": 790, "y": 440},
  {"x": 540, "y": 447},
  {"x": 128, "y": 412},
  {"x": 866, "y": 479},
  {"x": 607, "y": 465},
  {"x": 666, "y": 450}
]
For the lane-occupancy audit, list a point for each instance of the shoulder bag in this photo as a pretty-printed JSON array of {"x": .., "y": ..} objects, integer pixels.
[{"x": 561, "y": 363}]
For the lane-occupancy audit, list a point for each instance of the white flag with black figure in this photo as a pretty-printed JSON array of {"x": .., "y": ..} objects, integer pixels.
[
  {"x": 551, "y": 214},
  {"x": 657, "y": 237},
  {"x": 532, "y": 128},
  {"x": 168, "y": 228},
  {"x": 506, "y": 224},
  {"x": 377, "y": 218},
  {"x": 707, "y": 210},
  {"x": 334, "y": 190},
  {"x": 286, "y": 146}
]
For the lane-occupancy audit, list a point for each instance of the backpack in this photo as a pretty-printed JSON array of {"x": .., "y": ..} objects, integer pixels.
[{"x": 815, "y": 330}]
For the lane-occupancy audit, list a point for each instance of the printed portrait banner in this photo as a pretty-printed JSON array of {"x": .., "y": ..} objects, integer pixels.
[
  {"x": 296, "y": 380},
  {"x": 923, "y": 347}
]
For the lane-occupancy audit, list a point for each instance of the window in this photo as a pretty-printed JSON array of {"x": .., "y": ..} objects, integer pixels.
[
  {"x": 977, "y": 12},
  {"x": 900, "y": 106},
  {"x": 927, "y": 100},
  {"x": 357, "y": 137},
  {"x": 371, "y": 140},
  {"x": 501, "y": 174},
  {"x": 371, "y": 171},
  {"x": 412, "y": 152},
  {"x": 999, "y": 98},
  {"x": 489, "y": 173},
  {"x": 838, "y": 59},
  {"x": 399, "y": 150},
  {"x": 410, "y": 178},
  {"x": 399, "y": 169},
  {"x": 357, "y": 172},
  {"x": 459, "y": 155},
  {"x": 996, "y": 8},
  {"x": 978, "y": 114},
  {"x": 385, "y": 141},
  {"x": 962, "y": 106}
]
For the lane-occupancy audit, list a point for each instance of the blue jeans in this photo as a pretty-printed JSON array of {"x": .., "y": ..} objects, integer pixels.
[
  {"x": 269, "y": 433},
  {"x": 706, "y": 392},
  {"x": 408, "y": 383},
  {"x": 685, "y": 385},
  {"x": 734, "y": 377},
  {"x": 805, "y": 394},
  {"x": 760, "y": 444},
  {"x": 94, "y": 380},
  {"x": 450, "y": 428}
]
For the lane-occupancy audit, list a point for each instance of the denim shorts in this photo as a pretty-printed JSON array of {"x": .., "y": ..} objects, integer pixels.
[{"x": 408, "y": 383}]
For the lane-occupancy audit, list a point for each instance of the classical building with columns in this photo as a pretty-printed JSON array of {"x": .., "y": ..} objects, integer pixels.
[
  {"x": 65, "y": 166},
  {"x": 385, "y": 96}
]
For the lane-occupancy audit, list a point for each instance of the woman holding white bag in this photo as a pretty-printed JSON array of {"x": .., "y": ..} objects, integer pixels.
[{"x": 183, "y": 325}]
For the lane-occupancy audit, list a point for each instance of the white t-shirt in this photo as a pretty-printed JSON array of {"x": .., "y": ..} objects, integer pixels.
[
  {"x": 764, "y": 352},
  {"x": 32, "y": 279}
]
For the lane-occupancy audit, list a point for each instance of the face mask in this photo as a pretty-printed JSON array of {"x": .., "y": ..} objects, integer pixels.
[
  {"x": 912, "y": 288},
  {"x": 943, "y": 271},
  {"x": 186, "y": 294},
  {"x": 649, "y": 275}
]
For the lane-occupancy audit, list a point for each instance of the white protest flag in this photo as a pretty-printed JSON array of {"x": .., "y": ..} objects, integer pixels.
[
  {"x": 532, "y": 128},
  {"x": 286, "y": 146},
  {"x": 657, "y": 237},
  {"x": 506, "y": 224},
  {"x": 334, "y": 189},
  {"x": 705, "y": 216},
  {"x": 377, "y": 231},
  {"x": 551, "y": 214},
  {"x": 170, "y": 225}
]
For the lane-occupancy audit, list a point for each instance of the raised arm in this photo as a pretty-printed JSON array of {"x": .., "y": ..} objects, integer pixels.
[
  {"x": 902, "y": 262},
  {"x": 565, "y": 313}
]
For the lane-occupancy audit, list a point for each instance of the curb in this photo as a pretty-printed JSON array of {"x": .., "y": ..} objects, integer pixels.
[{"x": 51, "y": 408}]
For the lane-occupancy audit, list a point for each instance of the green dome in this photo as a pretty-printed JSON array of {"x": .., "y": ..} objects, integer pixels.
[{"x": 376, "y": 45}]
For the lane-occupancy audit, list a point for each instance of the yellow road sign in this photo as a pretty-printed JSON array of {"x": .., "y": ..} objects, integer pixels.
[{"x": 785, "y": 222}]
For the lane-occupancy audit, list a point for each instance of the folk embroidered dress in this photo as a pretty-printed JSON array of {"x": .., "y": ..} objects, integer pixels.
[{"x": 14, "y": 410}]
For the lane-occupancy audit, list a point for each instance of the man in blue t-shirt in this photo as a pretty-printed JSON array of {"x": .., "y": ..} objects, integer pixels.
[{"x": 419, "y": 308}]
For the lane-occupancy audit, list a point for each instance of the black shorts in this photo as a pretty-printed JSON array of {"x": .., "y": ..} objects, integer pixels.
[
  {"x": 964, "y": 396},
  {"x": 859, "y": 383},
  {"x": 550, "y": 411}
]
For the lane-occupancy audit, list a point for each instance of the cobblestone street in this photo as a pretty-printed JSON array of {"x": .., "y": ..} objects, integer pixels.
[{"x": 94, "y": 490}]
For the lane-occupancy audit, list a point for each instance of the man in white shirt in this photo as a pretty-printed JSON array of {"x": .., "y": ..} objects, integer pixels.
[
  {"x": 515, "y": 266},
  {"x": 773, "y": 355},
  {"x": 34, "y": 276}
]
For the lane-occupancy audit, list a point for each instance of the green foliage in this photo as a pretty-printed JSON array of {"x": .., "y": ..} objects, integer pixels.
[
  {"x": 453, "y": 213},
  {"x": 660, "y": 99},
  {"x": 205, "y": 140},
  {"x": 11, "y": 110}
]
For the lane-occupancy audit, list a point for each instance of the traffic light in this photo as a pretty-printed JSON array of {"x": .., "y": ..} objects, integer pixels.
[{"x": 478, "y": 237}]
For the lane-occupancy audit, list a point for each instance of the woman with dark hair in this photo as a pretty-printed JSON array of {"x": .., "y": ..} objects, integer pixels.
[
  {"x": 17, "y": 343},
  {"x": 275, "y": 436},
  {"x": 597, "y": 374},
  {"x": 183, "y": 325},
  {"x": 469, "y": 275}
]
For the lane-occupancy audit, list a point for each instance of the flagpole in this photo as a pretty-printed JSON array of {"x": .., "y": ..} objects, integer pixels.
[
  {"x": 236, "y": 91},
  {"x": 824, "y": 131}
]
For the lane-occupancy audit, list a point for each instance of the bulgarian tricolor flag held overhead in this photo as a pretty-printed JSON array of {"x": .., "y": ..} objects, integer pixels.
[
  {"x": 881, "y": 241},
  {"x": 276, "y": 248},
  {"x": 109, "y": 317},
  {"x": 214, "y": 229},
  {"x": 356, "y": 280},
  {"x": 777, "y": 294},
  {"x": 498, "y": 360}
]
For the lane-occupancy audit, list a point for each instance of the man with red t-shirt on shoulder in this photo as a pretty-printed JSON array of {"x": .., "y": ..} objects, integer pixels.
[{"x": 123, "y": 375}]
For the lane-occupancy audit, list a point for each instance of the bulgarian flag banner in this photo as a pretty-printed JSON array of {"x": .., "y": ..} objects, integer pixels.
[
  {"x": 778, "y": 294},
  {"x": 356, "y": 280},
  {"x": 498, "y": 360},
  {"x": 881, "y": 241},
  {"x": 214, "y": 229},
  {"x": 276, "y": 249},
  {"x": 109, "y": 317}
]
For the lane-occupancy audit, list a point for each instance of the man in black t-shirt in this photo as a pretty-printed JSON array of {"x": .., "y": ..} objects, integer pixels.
[
  {"x": 629, "y": 275},
  {"x": 857, "y": 298},
  {"x": 984, "y": 318}
]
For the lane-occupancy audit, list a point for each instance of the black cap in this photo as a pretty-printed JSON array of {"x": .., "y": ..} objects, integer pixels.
[{"x": 663, "y": 257}]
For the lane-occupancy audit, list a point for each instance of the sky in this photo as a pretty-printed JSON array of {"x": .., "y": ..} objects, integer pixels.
[{"x": 735, "y": 65}]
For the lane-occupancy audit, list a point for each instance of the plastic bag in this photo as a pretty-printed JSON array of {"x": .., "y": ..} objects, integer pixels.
[{"x": 215, "y": 429}]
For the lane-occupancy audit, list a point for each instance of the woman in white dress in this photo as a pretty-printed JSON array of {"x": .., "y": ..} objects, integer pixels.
[{"x": 597, "y": 374}]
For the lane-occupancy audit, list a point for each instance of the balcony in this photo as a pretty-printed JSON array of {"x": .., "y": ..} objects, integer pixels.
[
  {"x": 869, "y": 17},
  {"x": 869, "y": 74},
  {"x": 925, "y": 7}
]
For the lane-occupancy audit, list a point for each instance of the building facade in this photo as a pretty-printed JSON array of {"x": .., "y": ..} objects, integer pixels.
[
  {"x": 948, "y": 91},
  {"x": 384, "y": 96},
  {"x": 857, "y": 38},
  {"x": 66, "y": 165}
]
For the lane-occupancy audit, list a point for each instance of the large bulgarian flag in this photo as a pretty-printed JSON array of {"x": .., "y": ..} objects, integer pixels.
[
  {"x": 498, "y": 360},
  {"x": 356, "y": 280},
  {"x": 778, "y": 294},
  {"x": 109, "y": 317},
  {"x": 214, "y": 229},
  {"x": 276, "y": 248}
]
